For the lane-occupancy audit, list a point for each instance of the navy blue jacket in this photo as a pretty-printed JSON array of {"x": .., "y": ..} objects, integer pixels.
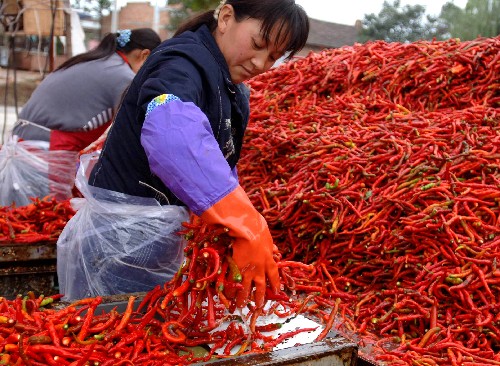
[{"x": 191, "y": 67}]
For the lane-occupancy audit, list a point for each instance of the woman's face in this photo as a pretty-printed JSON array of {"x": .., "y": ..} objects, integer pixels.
[{"x": 246, "y": 52}]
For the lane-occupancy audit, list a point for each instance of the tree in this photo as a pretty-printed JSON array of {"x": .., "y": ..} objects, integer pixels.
[
  {"x": 197, "y": 5},
  {"x": 450, "y": 13},
  {"x": 188, "y": 8},
  {"x": 96, "y": 8},
  {"x": 401, "y": 24},
  {"x": 479, "y": 18}
]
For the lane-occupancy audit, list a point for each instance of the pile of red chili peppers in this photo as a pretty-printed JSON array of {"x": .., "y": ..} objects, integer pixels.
[
  {"x": 41, "y": 220},
  {"x": 379, "y": 165},
  {"x": 168, "y": 326},
  {"x": 377, "y": 169}
]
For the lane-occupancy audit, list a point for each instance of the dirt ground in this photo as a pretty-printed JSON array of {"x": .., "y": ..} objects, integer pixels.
[{"x": 23, "y": 81}]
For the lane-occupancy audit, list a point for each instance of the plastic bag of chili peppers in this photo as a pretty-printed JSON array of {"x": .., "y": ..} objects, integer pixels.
[
  {"x": 117, "y": 243},
  {"x": 29, "y": 171}
]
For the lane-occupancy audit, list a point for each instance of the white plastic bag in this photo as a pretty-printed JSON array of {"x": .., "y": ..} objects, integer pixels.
[
  {"x": 27, "y": 170},
  {"x": 117, "y": 243}
]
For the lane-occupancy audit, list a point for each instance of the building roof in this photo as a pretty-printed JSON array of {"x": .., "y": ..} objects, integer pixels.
[
  {"x": 82, "y": 14},
  {"x": 330, "y": 35}
]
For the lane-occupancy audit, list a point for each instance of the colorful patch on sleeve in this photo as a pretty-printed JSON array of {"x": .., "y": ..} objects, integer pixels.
[{"x": 159, "y": 100}]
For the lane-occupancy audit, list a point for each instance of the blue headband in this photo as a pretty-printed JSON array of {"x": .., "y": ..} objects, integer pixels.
[{"x": 123, "y": 37}]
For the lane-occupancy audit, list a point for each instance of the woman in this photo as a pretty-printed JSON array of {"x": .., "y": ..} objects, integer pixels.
[
  {"x": 74, "y": 105},
  {"x": 178, "y": 133}
]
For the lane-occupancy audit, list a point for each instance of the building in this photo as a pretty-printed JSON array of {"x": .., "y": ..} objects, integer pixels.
[
  {"x": 330, "y": 35},
  {"x": 140, "y": 15},
  {"x": 90, "y": 25}
]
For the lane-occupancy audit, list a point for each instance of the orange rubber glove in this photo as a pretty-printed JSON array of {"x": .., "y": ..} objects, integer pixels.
[{"x": 252, "y": 246}]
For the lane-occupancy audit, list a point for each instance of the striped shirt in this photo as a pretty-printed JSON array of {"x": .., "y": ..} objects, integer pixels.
[{"x": 80, "y": 98}]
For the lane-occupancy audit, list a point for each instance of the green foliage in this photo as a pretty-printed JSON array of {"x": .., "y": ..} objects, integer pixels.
[
  {"x": 177, "y": 16},
  {"x": 96, "y": 8},
  {"x": 197, "y": 5},
  {"x": 395, "y": 23},
  {"x": 190, "y": 7},
  {"x": 480, "y": 18}
]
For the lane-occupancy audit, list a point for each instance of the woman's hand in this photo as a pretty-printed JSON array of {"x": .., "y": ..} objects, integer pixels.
[
  {"x": 253, "y": 254},
  {"x": 253, "y": 247}
]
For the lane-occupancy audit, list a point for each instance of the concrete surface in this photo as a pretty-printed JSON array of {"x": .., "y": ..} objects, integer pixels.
[{"x": 7, "y": 119}]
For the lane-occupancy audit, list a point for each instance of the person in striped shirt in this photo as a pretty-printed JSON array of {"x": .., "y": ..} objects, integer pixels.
[{"x": 75, "y": 104}]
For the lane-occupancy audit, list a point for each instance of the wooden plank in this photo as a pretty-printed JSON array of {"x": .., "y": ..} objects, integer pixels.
[{"x": 13, "y": 252}]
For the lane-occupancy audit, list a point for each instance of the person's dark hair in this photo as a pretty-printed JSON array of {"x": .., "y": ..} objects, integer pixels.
[
  {"x": 142, "y": 38},
  {"x": 290, "y": 19}
]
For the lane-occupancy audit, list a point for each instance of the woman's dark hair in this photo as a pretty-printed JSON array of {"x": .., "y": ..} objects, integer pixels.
[
  {"x": 142, "y": 38},
  {"x": 289, "y": 18}
]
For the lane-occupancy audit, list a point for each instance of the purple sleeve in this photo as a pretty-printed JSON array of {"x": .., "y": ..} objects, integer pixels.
[
  {"x": 184, "y": 154},
  {"x": 234, "y": 172}
]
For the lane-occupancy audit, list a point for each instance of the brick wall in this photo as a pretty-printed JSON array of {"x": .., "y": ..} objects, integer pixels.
[{"x": 139, "y": 15}]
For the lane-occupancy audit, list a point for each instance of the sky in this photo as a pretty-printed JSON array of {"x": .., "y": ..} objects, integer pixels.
[{"x": 348, "y": 11}]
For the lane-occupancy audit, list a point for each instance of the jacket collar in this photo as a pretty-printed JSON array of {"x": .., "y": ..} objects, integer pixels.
[{"x": 209, "y": 41}]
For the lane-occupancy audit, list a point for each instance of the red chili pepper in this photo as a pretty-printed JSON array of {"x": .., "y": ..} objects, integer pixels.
[
  {"x": 329, "y": 323},
  {"x": 83, "y": 360},
  {"x": 113, "y": 316},
  {"x": 234, "y": 271},
  {"x": 116, "y": 332},
  {"x": 88, "y": 319},
  {"x": 206, "y": 253},
  {"x": 428, "y": 335},
  {"x": 150, "y": 297},
  {"x": 181, "y": 289},
  {"x": 172, "y": 333}
]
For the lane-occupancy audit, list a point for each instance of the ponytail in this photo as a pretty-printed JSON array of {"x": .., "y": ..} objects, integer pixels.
[{"x": 124, "y": 40}]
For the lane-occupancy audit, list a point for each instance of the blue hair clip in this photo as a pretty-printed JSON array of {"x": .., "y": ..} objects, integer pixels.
[{"x": 123, "y": 37}]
